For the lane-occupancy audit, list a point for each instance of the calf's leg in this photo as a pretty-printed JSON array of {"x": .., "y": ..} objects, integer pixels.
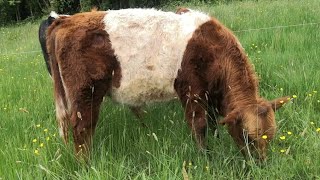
[
  {"x": 138, "y": 112},
  {"x": 84, "y": 116},
  {"x": 193, "y": 100},
  {"x": 212, "y": 118},
  {"x": 196, "y": 118}
]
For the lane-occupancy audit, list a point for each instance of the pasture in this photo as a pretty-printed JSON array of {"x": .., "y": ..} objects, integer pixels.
[{"x": 281, "y": 38}]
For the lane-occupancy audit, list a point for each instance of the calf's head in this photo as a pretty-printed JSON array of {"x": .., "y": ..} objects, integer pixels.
[{"x": 253, "y": 126}]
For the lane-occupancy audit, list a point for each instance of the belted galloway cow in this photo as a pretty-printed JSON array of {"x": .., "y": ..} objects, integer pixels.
[{"x": 143, "y": 56}]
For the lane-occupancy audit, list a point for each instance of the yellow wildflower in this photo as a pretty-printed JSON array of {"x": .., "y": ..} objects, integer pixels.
[
  {"x": 23, "y": 110},
  {"x": 38, "y": 125},
  {"x": 45, "y": 130},
  {"x": 34, "y": 140},
  {"x": 289, "y": 132},
  {"x": 264, "y": 137},
  {"x": 314, "y": 91},
  {"x": 309, "y": 95},
  {"x": 282, "y": 150},
  {"x": 282, "y": 137},
  {"x": 207, "y": 168},
  {"x": 281, "y": 89},
  {"x": 312, "y": 123},
  {"x": 294, "y": 96},
  {"x": 41, "y": 145},
  {"x": 48, "y": 138},
  {"x": 318, "y": 129},
  {"x": 36, "y": 152},
  {"x": 190, "y": 163}
]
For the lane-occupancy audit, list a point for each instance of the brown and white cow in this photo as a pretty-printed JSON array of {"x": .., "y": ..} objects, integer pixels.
[{"x": 142, "y": 56}]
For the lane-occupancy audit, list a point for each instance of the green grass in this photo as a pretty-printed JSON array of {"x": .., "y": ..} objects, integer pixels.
[{"x": 286, "y": 60}]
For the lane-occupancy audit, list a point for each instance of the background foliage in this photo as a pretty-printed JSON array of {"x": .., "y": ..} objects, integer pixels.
[{"x": 17, "y": 10}]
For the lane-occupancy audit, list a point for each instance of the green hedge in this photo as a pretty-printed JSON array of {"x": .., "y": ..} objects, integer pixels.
[{"x": 17, "y": 10}]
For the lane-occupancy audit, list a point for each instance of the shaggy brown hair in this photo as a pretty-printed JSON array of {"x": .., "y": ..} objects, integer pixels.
[{"x": 215, "y": 79}]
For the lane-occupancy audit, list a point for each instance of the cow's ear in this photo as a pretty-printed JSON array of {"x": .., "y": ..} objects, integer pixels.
[
  {"x": 182, "y": 10},
  {"x": 231, "y": 118},
  {"x": 279, "y": 102}
]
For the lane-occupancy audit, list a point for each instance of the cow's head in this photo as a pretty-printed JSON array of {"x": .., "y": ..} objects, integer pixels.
[{"x": 252, "y": 127}]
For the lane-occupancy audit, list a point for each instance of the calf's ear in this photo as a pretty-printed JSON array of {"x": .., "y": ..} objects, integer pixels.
[
  {"x": 231, "y": 118},
  {"x": 279, "y": 102}
]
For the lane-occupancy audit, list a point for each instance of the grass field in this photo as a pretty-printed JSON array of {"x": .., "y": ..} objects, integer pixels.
[{"x": 285, "y": 58}]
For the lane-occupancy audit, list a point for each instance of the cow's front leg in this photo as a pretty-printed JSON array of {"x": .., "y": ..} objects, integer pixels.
[
  {"x": 212, "y": 121},
  {"x": 195, "y": 114},
  {"x": 193, "y": 100}
]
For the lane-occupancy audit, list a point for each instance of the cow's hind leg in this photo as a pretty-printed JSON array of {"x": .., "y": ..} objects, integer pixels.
[
  {"x": 63, "y": 116},
  {"x": 84, "y": 116},
  {"x": 62, "y": 110},
  {"x": 138, "y": 112}
]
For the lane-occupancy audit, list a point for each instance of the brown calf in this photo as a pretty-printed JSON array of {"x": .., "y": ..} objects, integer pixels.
[{"x": 141, "y": 56}]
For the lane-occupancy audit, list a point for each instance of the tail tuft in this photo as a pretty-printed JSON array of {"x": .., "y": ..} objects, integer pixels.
[{"x": 54, "y": 15}]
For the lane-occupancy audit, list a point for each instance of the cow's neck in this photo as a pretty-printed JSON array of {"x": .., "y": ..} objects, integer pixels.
[{"x": 240, "y": 85}]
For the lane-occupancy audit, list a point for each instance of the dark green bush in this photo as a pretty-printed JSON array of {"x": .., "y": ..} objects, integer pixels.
[{"x": 17, "y": 10}]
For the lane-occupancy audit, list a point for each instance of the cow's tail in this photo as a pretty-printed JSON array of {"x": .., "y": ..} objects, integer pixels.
[
  {"x": 43, "y": 37},
  {"x": 60, "y": 91}
]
